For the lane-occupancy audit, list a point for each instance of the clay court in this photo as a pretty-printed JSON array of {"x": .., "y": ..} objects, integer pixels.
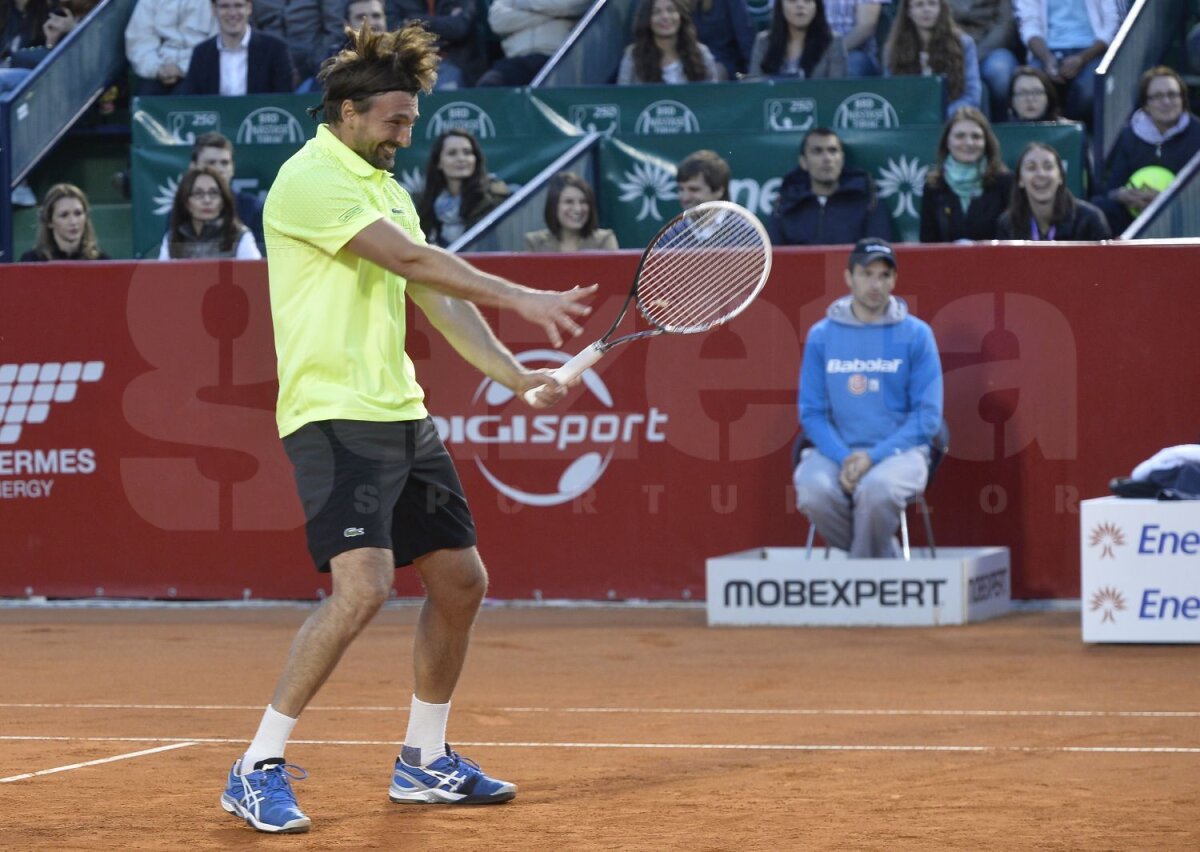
[{"x": 626, "y": 728}]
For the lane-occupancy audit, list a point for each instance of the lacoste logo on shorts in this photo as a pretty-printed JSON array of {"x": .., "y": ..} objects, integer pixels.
[{"x": 351, "y": 532}]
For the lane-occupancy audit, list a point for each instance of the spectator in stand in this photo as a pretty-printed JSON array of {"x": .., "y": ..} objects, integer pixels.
[
  {"x": 459, "y": 190},
  {"x": 991, "y": 24},
  {"x": 926, "y": 41},
  {"x": 237, "y": 60},
  {"x": 702, "y": 176},
  {"x": 358, "y": 12},
  {"x": 204, "y": 222},
  {"x": 1032, "y": 96},
  {"x": 1042, "y": 208},
  {"x": 215, "y": 151},
  {"x": 665, "y": 48},
  {"x": 453, "y": 22},
  {"x": 725, "y": 28},
  {"x": 968, "y": 186},
  {"x": 571, "y": 223},
  {"x": 857, "y": 23},
  {"x": 310, "y": 28},
  {"x": 1161, "y": 133},
  {"x": 62, "y": 17},
  {"x": 530, "y": 32},
  {"x": 159, "y": 40},
  {"x": 22, "y": 27},
  {"x": 65, "y": 229},
  {"x": 799, "y": 43},
  {"x": 822, "y": 202},
  {"x": 1068, "y": 38}
]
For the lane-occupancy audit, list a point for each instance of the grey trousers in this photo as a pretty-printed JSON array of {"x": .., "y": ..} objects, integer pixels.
[{"x": 864, "y": 524}]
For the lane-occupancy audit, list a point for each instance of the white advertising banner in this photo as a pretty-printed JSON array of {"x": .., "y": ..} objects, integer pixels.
[
  {"x": 1140, "y": 577},
  {"x": 778, "y": 586}
]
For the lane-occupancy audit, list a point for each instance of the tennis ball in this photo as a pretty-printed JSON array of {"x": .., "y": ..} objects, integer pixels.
[{"x": 1149, "y": 177}]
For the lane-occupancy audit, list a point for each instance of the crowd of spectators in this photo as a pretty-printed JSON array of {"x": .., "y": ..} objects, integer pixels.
[{"x": 1001, "y": 61}]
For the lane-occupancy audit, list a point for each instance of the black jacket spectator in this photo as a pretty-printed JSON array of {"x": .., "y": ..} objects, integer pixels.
[
  {"x": 1085, "y": 223},
  {"x": 268, "y": 67},
  {"x": 851, "y": 213},
  {"x": 943, "y": 219}
]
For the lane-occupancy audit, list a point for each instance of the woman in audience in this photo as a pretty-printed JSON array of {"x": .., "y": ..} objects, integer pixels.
[
  {"x": 968, "y": 186},
  {"x": 204, "y": 221},
  {"x": 926, "y": 41},
  {"x": 65, "y": 229},
  {"x": 571, "y": 223},
  {"x": 1042, "y": 208},
  {"x": 799, "y": 43},
  {"x": 1032, "y": 96},
  {"x": 459, "y": 191},
  {"x": 725, "y": 28},
  {"x": 665, "y": 48},
  {"x": 1163, "y": 133}
]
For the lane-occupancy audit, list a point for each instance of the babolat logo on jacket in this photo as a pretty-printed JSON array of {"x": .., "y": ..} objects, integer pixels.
[{"x": 858, "y": 365}]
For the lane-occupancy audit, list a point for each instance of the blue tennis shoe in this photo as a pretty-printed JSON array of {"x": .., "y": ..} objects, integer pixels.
[
  {"x": 264, "y": 797},
  {"x": 449, "y": 780}
]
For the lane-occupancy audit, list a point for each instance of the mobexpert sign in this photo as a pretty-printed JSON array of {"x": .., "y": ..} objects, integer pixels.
[
  {"x": 778, "y": 586},
  {"x": 1140, "y": 578}
]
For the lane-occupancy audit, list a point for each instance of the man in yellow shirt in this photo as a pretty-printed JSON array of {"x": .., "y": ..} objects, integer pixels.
[{"x": 344, "y": 250}]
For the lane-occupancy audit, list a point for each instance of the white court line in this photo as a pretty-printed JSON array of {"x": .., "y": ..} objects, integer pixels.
[
  {"x": 698, "y": 711},
  {"x": 676, "y": 746},
  {"x": 113, "y": 759}
]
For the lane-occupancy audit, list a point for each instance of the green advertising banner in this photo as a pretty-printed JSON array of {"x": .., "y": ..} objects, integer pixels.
[
  {"x": 765, "y": 106},
  {"x": 637, "y": 192}
]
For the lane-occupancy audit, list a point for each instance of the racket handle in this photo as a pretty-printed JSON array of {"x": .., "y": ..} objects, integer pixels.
[{"x": 571, "y": 369}]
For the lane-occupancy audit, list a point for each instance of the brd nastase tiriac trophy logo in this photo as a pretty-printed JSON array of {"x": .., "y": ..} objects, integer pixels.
[
  {"x": 547, "y": 458},
  {"x": 460, "y": 115}
]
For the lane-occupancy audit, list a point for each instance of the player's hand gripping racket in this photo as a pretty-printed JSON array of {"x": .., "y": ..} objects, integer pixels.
[{"x": 701, "y": 270}]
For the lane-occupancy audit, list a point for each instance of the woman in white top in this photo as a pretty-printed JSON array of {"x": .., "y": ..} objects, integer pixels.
[
  {"x": 665, "y": 48},
  {"x": 204, "y": 221}
]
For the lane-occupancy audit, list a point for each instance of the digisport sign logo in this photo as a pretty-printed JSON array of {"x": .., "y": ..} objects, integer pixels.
[
  {"x": 577, "y": 446},
  {"x": 270, "y": 126},
  {"x": 1108, "y": 599},
  {"x": 27, "y": 392},
  {"x": 461, "y": 115},
  {"x": 865, "y": 111},
  {"x": 1107, "y": 536}
]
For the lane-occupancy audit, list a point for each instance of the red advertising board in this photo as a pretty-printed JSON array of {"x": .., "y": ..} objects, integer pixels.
[{"x": 138, "y": 452}]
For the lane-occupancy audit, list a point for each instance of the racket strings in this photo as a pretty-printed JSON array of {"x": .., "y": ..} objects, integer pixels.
[{"x": 702, "y": 271}]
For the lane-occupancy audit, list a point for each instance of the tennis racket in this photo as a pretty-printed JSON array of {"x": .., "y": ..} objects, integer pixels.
[{"x": 701, "y": 270}]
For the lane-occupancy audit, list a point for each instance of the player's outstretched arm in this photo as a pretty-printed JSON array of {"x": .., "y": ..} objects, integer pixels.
[
  {"x": 468, "y": 332},
  {"x": 384, "y": 243}
]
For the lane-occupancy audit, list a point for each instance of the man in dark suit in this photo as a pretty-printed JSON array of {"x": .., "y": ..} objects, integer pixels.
[{"x": 237, "y": 61}]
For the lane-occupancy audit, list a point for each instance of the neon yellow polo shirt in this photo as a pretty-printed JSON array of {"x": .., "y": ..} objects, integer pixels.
[{"x": 339, "y": 319}]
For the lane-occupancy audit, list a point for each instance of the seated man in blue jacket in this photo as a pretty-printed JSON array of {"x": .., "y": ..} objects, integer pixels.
[
  {"x": 822, "y": 202},
  {"x": 237, "y": 60},
  {"x": 870, "y": 404}
]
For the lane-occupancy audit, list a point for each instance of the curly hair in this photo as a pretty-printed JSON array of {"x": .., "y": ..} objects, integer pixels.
[
  {"x": 816, "y": 40},
  {"x": 558, "y": 183},
  {"x": 230, "y": 225},
  {"x": 903, "y": 51},
  {"x": 647, "y": 58},
  {"x": 993, "y": 164},
  {"x": 404, "y": 60},
  {"x": 1019, "y": 210},
  {"x": 45, "y": 244}
]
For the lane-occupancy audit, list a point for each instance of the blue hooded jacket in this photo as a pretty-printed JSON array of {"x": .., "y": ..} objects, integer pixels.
[{"x": 870, "y": 386}]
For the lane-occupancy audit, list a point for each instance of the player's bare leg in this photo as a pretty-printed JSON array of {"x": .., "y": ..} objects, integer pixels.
[
  {"x": 455, "y": 582},
  {"x": 362, "y": 583}
]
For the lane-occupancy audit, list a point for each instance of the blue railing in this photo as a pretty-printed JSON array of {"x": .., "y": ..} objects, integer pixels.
[
  {"x": 1143, "y": 40},
  {"x": 1176, "y": 211},
  {"x": 592, "y": 52},
  {"x": 35, "y": 115}
]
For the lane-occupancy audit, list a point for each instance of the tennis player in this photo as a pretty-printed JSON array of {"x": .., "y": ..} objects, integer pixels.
[{"x": 345, "y": 249}]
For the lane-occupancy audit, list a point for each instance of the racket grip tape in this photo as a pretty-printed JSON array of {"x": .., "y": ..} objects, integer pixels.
[{"x": 571, "y": 369}]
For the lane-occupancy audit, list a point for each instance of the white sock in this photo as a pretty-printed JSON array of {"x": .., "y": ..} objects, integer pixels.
[
  {"x": 427, "y": 729},
  {"x": 271, "y": 739}
]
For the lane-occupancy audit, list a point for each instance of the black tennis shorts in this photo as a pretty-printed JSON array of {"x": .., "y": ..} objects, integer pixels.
[{"x": 366, "y": 484}]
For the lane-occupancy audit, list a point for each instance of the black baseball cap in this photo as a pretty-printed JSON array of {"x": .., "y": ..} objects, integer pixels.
[{"x": 870, "y": 249}]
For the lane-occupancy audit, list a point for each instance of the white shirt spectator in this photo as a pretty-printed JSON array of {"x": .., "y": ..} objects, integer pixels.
[
  {"x": 162, "y": 32},
  {"x": 234, "y": 65}
]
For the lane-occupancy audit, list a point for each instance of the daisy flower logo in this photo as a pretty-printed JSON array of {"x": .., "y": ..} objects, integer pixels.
[
  {"x": 1106, "y": 537},
  {"x": 164, "y": 196},
  {"x": 905, "y": 181},
  {"x": 651, "y": 184},
  {"x": 1108, "y": 599}
]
